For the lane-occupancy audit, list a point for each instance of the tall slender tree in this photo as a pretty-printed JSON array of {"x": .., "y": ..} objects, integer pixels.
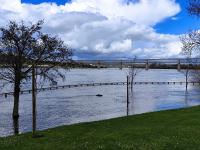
[{"x": 133, "y": 72}]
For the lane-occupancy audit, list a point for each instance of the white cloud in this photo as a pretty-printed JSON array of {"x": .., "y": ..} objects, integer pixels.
[
  {"x": 11, "y": 5},
  {"x": 103, "y": 28},
  {"x": 148, "y": 12}
]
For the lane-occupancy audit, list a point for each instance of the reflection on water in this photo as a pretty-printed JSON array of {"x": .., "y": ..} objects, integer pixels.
[{"x": 68, "y": 106}]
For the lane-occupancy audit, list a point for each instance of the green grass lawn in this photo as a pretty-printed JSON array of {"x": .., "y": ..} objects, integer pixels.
[{"x": 176, "y": 129}]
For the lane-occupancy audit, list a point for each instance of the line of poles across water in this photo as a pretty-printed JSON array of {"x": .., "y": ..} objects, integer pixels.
[{"x": 97, "y": 84}]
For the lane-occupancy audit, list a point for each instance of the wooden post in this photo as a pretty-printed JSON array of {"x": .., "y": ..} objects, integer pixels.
[
  {"x": 186, "y": 84},
  {"x": 127, "y": 96},
  {"x": 33, "y": 101},
  {"x": 99, "y": 65},
  {"x": 179, "y": 65},
  {"x": 121, "y": 65},
  {"x": 147, "y": 65}
]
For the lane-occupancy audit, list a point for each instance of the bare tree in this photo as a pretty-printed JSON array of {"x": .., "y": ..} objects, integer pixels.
[
  {"x": 25, "y": 46},
  {"x": 186, "y": 72},
  {"x": 191, "y": 44},
  {"x": 194, "y": 7},
  {"x": 191, "y": 41},
  {"x": 133, "y": 71}
]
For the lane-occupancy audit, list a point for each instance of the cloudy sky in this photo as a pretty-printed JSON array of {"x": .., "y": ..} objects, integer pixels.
[{"x": 108, "y": 29}]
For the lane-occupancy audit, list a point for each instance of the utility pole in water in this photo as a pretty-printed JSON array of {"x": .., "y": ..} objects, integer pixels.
[{"x": 127, "y": 95}]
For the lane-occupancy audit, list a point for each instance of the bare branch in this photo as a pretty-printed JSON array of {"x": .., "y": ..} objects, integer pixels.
[{"x": 194, "y": 7}]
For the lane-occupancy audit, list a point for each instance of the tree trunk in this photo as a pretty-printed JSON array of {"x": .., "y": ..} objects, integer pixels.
[
  {"x": 187, "y": 75},
  {"x": 34, "y": 101},
  {"x": 186, "y": 83},
  {"x": 132, "y": 83},
  {"x": 127, "y": 109},
  {"x": 16, "y": 105}
]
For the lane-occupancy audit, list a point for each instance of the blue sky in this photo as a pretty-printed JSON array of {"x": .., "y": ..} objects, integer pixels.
[
  {"x": 59, "y": 2},
  {"x": 182, "y": 22}
]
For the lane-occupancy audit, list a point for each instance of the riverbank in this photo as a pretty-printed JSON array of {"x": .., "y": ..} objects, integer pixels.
[{"x": 174, "y": 129}]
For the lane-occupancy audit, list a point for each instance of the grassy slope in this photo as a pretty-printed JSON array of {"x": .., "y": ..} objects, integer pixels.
[{"x": 177, "y": 129}]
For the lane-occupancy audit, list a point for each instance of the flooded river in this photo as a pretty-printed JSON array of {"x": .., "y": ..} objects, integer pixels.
[{"x": 75, "y": 105}]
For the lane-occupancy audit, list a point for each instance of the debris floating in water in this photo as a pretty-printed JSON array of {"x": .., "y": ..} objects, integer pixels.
[{"x": 99, "y": 95}]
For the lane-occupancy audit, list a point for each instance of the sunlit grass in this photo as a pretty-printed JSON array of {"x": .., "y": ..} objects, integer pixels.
[{"x": 176, "y": 129}]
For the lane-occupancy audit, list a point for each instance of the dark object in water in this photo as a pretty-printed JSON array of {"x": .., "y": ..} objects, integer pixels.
[{"x": 99, "y": 95}]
